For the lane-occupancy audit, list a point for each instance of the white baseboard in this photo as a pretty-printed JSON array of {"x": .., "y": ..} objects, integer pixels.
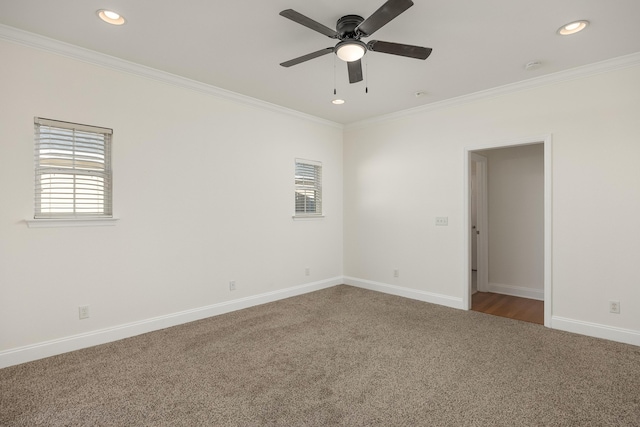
[
  {"x": 516, "y": 291},
  {"x": 76, "y": 342},
  {"x": 431, "y": 297},
  {"x": 41, "y": 350},
  {"x": 627, "y": 336}
]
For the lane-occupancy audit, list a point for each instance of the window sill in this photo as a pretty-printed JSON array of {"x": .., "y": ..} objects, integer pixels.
[
  {"x": 70, "y": 222},
  {"x": 307, "y": 217}
]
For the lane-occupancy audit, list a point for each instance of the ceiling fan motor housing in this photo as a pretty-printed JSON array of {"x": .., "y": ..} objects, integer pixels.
[{"x": 346, "y": 27}]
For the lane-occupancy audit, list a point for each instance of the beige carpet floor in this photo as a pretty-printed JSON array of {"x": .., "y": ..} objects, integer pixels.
[{"x": 340, "y": 356}]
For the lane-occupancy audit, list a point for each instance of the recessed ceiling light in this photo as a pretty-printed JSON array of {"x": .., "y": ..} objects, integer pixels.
[
  {"x": 338, "y": 101},
  {"x": 111, "y": 17},
  {"x": 573, "y": 27}
]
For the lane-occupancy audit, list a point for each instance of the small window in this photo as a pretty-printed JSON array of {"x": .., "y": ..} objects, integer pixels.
[
  {"x": 308, "y": 190},
  {"x": 72, "y": 170}
]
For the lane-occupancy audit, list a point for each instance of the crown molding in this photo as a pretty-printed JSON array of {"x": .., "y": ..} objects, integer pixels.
[
  {"x": 618, "y": 63},
  {"x": 37, "y": 41},
  {"x": 47, "y": 44}
]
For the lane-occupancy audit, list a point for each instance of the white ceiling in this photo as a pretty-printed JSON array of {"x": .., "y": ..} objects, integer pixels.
[{"x": 238, "y": 45}]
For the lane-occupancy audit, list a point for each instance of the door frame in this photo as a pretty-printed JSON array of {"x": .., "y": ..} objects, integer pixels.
[
  {"x": 546, "y": 140},
  {"x": 482, "y": 220}
]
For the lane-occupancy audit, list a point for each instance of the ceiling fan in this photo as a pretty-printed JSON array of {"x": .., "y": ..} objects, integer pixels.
[{"x": 350, "y": 29}]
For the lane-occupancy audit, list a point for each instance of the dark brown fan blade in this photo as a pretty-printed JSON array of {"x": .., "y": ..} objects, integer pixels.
[
  {"x": 355, "y": 71},
  {"x": 383, "y": 16},
  {"x": 309, "y": 23},
  {"x": 409, "y": 51},
  {"x": 307, "y": 57}
]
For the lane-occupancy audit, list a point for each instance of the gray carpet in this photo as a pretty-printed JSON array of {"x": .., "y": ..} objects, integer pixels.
[{"x": 340, "y": 356}]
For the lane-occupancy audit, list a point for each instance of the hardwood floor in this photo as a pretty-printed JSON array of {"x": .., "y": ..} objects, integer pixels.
[{"x": 529, "y": 310}]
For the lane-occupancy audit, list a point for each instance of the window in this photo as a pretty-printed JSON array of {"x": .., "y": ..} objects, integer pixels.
[
  {"x": 308, "y": 189},
  {"x": 73, "y": 170}
]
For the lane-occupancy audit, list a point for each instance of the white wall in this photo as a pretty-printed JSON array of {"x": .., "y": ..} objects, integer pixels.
[
  {"x": 515, "y": 192},
  {"x": 402, "y": 172},
  {"x": 203, "y": 187},
  {"x": 203, "y": 190}
]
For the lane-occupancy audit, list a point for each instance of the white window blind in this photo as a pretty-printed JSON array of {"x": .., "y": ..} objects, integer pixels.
[
  {"x": 72, "y": 170},
  {"x": 308, "y": 188}
]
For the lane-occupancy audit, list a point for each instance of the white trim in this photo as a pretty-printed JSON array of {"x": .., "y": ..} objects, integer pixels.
[
  {"x": 548, "y": 230},
  {"x": 76, "y": 342},
  {"x": 111, "y": 62},
  {"x": 621, "y": 62},
  {"x": 307, "y": 217},
  {"x": 50, "y": 348},
  {"x": 70, "y": 222},
  {"x": 415, "y": 294},
  {"x": 37, "y": 41},
  {"x": 516, "y": 291},
  {"x": 627, "y": 336},
  {"x": 308, "y": 162},
  {"x": 72, "y": 126}
]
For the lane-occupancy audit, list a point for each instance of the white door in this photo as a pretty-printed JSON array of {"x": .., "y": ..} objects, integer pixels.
[
  {"x": 474, "y": 216},
  {"x": 479, "y": 220}
]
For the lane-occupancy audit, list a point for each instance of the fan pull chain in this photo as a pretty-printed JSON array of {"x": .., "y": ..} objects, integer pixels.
[
  {"x": 366, "y": 75},
  {"x": 335, "y": 92}
]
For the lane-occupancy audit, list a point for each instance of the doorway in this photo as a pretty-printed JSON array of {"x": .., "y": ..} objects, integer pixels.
[{"x": 514, "y": 272}]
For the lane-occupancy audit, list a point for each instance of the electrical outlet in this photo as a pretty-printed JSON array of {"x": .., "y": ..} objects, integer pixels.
[
  {"x": 307, "y": 271},
  {"x": 396, "y": 273},
  {"x": 614, "y": 307},
  {"x": 442, "y": 220},
  {"x": 232, "y": 285},
  {"x": 83, "y": 312}
]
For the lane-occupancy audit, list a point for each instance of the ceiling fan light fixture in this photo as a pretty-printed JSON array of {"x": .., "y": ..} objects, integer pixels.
[
  {"x": 110, "y": 17},
  {"x": 350, "y": 50},
  {"x": 573, "y": 27}
]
